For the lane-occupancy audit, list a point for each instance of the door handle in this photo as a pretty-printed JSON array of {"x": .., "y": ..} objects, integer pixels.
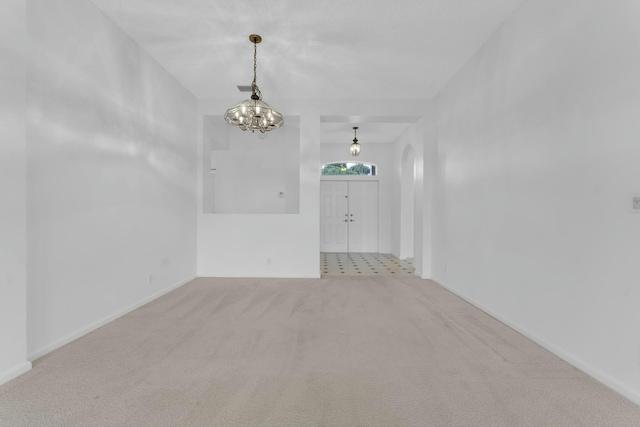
[
  {"x": 346, "y": 220},
  {"x": 351, "y": 220}
]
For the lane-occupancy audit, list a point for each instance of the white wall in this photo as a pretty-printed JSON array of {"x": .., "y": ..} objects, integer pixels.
[
  {"x": 407, "y": 199},
  {"x": 111, "y": 174},
  {"x": 539, "y": 142},
  {"x": 426, "y": 178},
  {"x": 213, "y": 137},
  {"x": 382, "y": 156},
  {"x": 13, "y": 190}
]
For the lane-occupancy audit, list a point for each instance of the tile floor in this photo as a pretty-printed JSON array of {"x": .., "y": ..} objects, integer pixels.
[{"x": 364, "y": 264}]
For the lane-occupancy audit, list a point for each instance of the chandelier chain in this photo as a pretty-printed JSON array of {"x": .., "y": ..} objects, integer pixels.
[{"x": 254, "y": 85}]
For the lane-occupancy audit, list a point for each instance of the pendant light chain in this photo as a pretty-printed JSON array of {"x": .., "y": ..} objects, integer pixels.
[{"x": 254, "y": 85}]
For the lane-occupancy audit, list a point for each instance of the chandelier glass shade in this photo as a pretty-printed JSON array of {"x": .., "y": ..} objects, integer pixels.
[
  {"x": 254, "y": 114},
  {"x": 354, "y": 148}
]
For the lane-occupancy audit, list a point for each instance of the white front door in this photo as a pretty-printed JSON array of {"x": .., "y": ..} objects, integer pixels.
[
  {"x": 363, "y": 216},
  {"x": 334, "y": 212},
  {"x": 349, "y": 216}
]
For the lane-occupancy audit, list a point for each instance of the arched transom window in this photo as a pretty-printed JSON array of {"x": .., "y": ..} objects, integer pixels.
[{"x": 348, "y": 168}]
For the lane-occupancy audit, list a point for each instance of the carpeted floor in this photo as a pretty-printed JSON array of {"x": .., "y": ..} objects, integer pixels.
[{"x": 338, "y": 351}]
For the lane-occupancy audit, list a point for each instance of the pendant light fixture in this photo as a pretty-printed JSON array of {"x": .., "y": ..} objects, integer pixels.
[
  {"x": 354, "y": 148},
  {"x": 254, "y": 114}
]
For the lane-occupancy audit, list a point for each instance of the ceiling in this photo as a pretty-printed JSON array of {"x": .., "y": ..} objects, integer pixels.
[
  {"x": 322, "y": 49},
  {"x": 370, "y": 133}
]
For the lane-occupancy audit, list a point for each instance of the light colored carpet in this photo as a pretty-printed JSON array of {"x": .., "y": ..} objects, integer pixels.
[{"x": 356, "y": 351}]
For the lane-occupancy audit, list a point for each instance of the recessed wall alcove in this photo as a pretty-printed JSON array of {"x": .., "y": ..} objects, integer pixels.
[{"x": 251, "y": 173}]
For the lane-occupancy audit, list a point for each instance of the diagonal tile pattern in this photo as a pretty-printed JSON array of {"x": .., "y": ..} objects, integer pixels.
[{"x": 364, "y": 264}]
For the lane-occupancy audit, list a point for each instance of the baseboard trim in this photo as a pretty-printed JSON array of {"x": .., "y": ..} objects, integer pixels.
[
  {"x": 260, "y": 276},
  {"x": 606, "y": 379},
  {"x": 14, "y": 372},
  {"x": 107, "y": 319}
]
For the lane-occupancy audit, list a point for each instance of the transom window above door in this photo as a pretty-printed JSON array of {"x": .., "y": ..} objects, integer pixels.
[{"x": 349, "y": 168}]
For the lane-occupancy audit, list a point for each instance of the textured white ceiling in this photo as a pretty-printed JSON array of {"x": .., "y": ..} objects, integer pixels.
[
  {"x": 322, "y": 49},
  {"x": 368, "y": 133}
]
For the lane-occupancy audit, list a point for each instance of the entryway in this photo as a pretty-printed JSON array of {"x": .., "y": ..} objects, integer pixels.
[
  {"x": 348, "y": 216},
  {"x": 364, "y": 264}
]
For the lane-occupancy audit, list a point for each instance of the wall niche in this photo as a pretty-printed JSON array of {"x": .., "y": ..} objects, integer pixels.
[{"x": 251, "y": 173}]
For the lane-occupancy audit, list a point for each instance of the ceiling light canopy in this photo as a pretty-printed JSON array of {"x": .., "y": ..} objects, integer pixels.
[
  {"x": 354, "y": 148},
  {"x": 254, "y": 114}
]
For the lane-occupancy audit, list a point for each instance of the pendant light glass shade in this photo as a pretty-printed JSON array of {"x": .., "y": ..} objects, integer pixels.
[
  {"x": 254, "y": 114},
  {"x": 354, "y": 148}
]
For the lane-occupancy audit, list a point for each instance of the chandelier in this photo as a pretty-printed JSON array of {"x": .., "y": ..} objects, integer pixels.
[
  {"x": 354, "y": 148},
  {"x": 254, "y": 114}
]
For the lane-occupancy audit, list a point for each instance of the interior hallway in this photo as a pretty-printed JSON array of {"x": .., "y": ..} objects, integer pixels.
[{"x": 339, "y": 351}]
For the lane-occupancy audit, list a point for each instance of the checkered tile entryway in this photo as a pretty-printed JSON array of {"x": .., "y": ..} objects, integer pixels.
[{"x": 364, "y": 264}]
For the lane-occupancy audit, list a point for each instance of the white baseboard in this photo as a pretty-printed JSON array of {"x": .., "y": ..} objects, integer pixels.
[
  {"x": 422, "y": 275},
  {"x": 95, "y": 325},
  {"x": 14, "y": 372},
  {"x": 604, "y": 378},
  {"x": 260, "y": 276}
]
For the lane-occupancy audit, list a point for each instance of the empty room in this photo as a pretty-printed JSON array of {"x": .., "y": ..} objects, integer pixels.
[{"x": 320, "y": 213}]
